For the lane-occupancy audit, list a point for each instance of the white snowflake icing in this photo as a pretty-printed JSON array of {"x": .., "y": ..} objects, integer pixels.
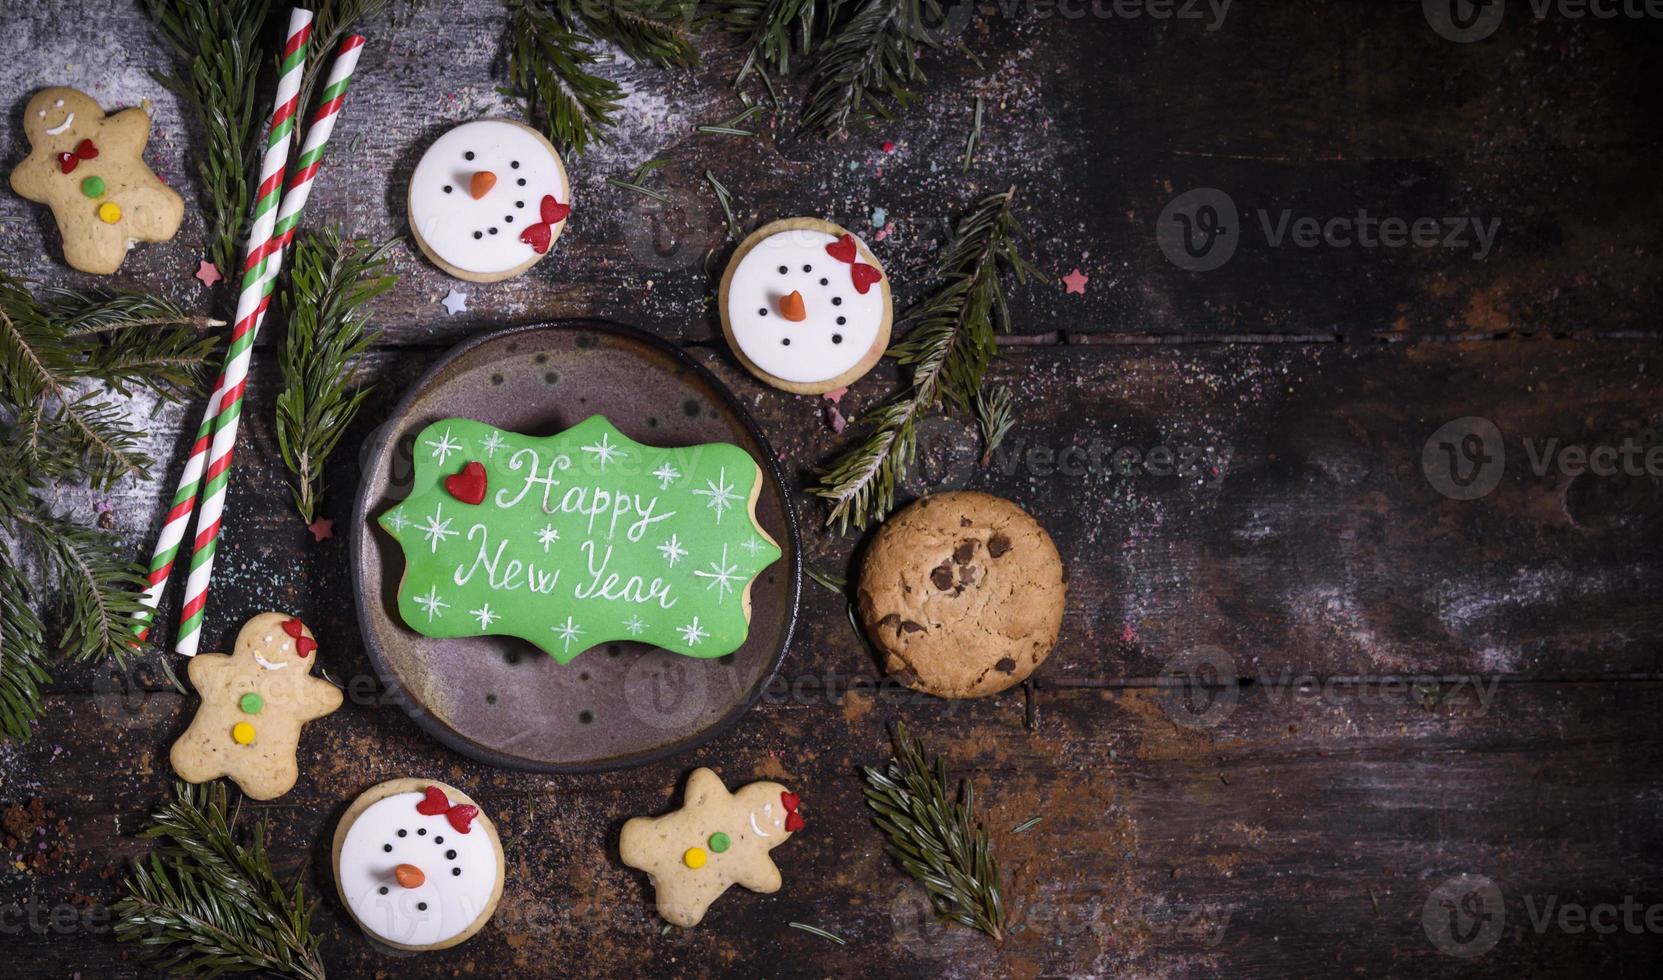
[
  {"x": 492, "y": 443},
  {"x": 435, "y": 530},
  {"x": 634, "y": 625},
  {"x": 604, "y": 451},
  {"x": 547, "y": 536},
  {"x": 666, "y": 474},
  {"x": 444, "y": 447},
  {"x": 721, "y": 575},
  {"x": 567, "y": 633},
  {"x": 431, "y": 602},
  {"x": 397, "y": 521},
  {"x": 720, "y": 493},
  {"x": 672, "y": 550},
  {"x": 485, "y": 615},
  {"x": 691, "y": 634},
  {"x": 752, "y": 546}
]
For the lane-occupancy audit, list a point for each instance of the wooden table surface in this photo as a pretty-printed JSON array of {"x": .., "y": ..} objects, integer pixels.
[{"x": 1421, "y": 693}]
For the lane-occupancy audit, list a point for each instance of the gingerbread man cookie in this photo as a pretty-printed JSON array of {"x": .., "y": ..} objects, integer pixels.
[
  {"x": 253, "y": 704},
  {"x": 89, "y": 169},
  {"x": 716, "y": 840}
]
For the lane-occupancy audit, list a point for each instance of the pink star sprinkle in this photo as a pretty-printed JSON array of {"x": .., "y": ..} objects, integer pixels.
[
  {"x": 1076, "y": 282},
  {"x": 322, "y": 529},
  {"x": 206, "y": 272}
]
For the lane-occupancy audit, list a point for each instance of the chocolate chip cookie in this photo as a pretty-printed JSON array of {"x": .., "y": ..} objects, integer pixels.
[{"x": 963, "y": 594}]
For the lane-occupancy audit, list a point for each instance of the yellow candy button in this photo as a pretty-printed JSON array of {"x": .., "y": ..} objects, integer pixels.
[
  {"x": 694, "y": 858},
  {"x": 243, "y": 733},
  {"x": 110, "y": 212}
]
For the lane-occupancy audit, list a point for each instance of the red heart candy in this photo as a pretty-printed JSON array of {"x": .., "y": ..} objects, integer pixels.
[
  {"x": 468, "y": 486},
  {"x": 790, "y": 801},
  {"x": 553, "y": 211},
  {"x": 461, "y": 815},
  {"x": 843, "y": 250},
  {"x": 67, "y": 162},
  {"x": 293, "y": 627},
  {"x": 864, "y": 276},
  {"x": 85, "y": 150},
  {"x": 794, "y": 822},
  {"x": 537, "y": 236},
  {"x": 433, "y": 803}
]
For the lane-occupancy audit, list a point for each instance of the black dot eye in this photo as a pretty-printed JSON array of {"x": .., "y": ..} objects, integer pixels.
[
  {"x": 508, "y": 219},
  {"x": 825, "y": 282},
  {"x": 456, "y": 872},
  {"x": 421, "y": 906},
  {"x": 837, "y": 338},
  {"x": 842, "y": 320},
  {"x": 785, "y": 341},
  {"x": 519, "y": 204},
  {"x": 438, "y": 840},
  {"x": 478, "y": 234},
  {"x": 382, "y": 890},
  {"x": 448, "y": 188},
  {"x": 520, "y": 182},
  {"x": 784, "y": 270},
  {"x": 404, "y": 833},
  {"x": 422, "y": 832},
  {"x": 807, "y": 267},
  {"x": 515, "y": 164},
  {"x": 387, "y": 847},
  {"x": 493, "y": 231},
  {"x": 837, "y": 301},
  {"x": 762, "y": 312},
  {"x": 468, "y": 155},
  {"x": 450, "y": 855}
]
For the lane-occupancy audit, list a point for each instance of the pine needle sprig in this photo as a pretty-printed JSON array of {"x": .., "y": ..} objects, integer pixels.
[
  {"x": 332, "y": 21},
  {"x": 773, "y": 30},
  {"x": 867, "y": 66},
  {"x": 935, "y": 838},
  {"x": 657, "y": 32},
  {"x": 548, "y": 68},
  {"x": 995, "y": 414},
  {"x": 205, "y": 903},
  {"x": 331, "y": 283},
  {"x": 23, "y": 653},
  {"x": 950, "y": 344},
  {"x": 217, "y": 44},
  {"x": 98, "y": 588}
]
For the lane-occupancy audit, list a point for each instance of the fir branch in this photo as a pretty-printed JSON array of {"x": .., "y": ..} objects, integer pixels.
[
  {"x": 99, "y": 590},
  {"x": 657, "y": 32},
  {"x": 331, "y": 283},
  {"x": 867, "y": 66},
  {"x": 548, "y": 69},
  {"x": 332, "y": 21},
  {"x": 773, "y": 30},
  {"x": 949, "y": 347},
  {"x": 934, "y": 838},
  {"x": 217, "y": 45},
  {"x": 22, "y": 652},
  {"x": 994, "y": 415},
  {"x": 205, "y": 903}
]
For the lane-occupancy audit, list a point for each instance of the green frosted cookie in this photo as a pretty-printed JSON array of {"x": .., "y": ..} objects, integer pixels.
[{"x": 579, "y": 538}]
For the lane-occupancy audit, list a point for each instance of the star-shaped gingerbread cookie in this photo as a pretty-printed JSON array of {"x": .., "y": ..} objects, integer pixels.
[
  {"x": 716, "y": 840},
  {"x": 89, "y": 169},
  {"x": 254, "y": 702}
]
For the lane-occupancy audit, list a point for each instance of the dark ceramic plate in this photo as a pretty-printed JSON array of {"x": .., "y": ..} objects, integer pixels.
[{"x": 499, "y": 699}]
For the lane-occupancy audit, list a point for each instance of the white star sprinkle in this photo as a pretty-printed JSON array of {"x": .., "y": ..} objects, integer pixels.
[
  {"x": 691, "y": 634},
  {"x": 721, "y": 575},
  {"x": 752, "y": 546},
  {"x": 720, "y": 493},
  {"x": 666, "y": 474},
  {"x": 431, "y": 602},
  {"x": 455, "y": 302},
  {"x": 604, "y": 451},
  {"x": 567, "y": 633},
  {"x": 444, "y": 447},
  {"x": 397, "y": 521},
  {"x": 548, "y": 535},
  {"x": 437, "y": 531},
  {"x": 485, "y": 616},
  {"x": 672, "y": 551},
  {"x": 634, "y": 625},
  {"x": 492, "y": 443}
]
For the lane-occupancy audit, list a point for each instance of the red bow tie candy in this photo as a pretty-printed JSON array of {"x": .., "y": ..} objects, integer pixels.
[
  {"x": 538, "y": 236},
  {"x": 793, "y": 819},
  {"x": 460, "y": 816},
  {"x": 303, "y": 644},
  {"x": 863, "y": 275},
  {"x": 84, "y": 150}
]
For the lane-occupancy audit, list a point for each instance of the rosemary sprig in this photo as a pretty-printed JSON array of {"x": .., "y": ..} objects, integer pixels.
[
  {"x": 205, "y": 903},
  {"x": 636, "y": 181},
  {"x": 725, "y": 199},
  {"x": 217, "y": 46},
  {"x": 936, "y": 839},
  {"x": 868, "y": 64},
  {"x": 331, "y": 284},
  {"x": 949, "y": 347},
  {"x": 975, "y": 137},
  {"x": 995, "y": 415}
]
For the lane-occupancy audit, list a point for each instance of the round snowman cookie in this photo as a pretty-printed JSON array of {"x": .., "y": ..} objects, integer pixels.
[
  {"x": 805, "y": 306},
  {"x": 488, "y": 199},
  {"x": 417, "y": 864}
]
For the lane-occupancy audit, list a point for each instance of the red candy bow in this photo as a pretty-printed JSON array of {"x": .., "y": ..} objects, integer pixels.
[
  {"x": 303, "y": 644},
  {"x": 435, "y": 803},
  {"x": 863, "y": 275},
  {"x": 84, "y": 150},
  {"x": 793, "y": 819},
  {"x": 538, "y": 236}
]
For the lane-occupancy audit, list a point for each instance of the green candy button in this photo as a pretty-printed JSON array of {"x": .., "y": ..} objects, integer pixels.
[
  {"x": 719, "y": 842},
  {"x": 93, "y": 187},
  {"x": 251, "y": 703}
]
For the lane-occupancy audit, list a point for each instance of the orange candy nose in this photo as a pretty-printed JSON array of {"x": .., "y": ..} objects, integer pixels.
[
  {"x": 409, "y": 875},
  {"x": 792, "y": 308},
  {"x": 481, "y": 183}
]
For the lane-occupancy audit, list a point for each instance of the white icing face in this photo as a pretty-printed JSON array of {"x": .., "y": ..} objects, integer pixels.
[
  {"x": 766, "y": 822},
  {"x": 482, "y": 234},
  {"x": 458, "y": 872},
  {"x": 839, "y": 323}
]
